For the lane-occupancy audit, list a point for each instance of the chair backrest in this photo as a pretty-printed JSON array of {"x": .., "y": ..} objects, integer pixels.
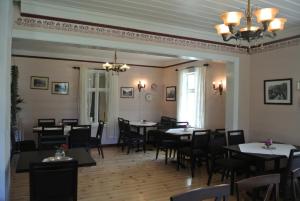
[
  {"x": 245, "y": 186},
  {"x": 220, "y": 130},
  {"x": 182, "y": 124},
  {"x": 200, "y": 139},
  {"x": 53, "y": 181},
  {"x": 100, "y": 131},
  {"x": 235, "y": 137},
  {"x": 80, "y": 136},
  {"x": 52, "y": 130},
  {"x": 216, "y": 144},
  {"x": 46, "y": 122},
  {"x": 51, "y": 137},
  {"x": 219, "y": 193},
  {"x": 173, "y": 122},
  {"x": 126, "y": 126},
  {"x": 294, "y": 160},
  {"x": 69, "y": 122},
  {"x": 27, "y": 145}
]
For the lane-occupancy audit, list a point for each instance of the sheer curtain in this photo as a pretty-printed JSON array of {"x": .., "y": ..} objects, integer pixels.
[
  {"x": 112, "y": 95},
  {"x": 191, "y": 96},
  {"x": 83, "y": 93}
]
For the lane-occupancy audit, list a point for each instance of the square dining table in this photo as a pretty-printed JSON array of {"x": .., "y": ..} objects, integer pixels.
[{"x": 80, "y": 154}]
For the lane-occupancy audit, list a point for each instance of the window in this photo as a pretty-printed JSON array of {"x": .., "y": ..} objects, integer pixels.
[
  {"x": 191, "y": 96},
  {"x": 97, "y": 92}
]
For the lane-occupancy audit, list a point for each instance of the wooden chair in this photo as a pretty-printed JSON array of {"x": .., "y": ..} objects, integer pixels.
[
  {"x": 80, "y": 136},
  {"x": 46, "y": 122},
  {"x": 295, "y": 183},
  {"x": 53, "y": 181},
  {"x": 121, "y": 138},
  {"x": 246, "y": 187},
  {"x": 51, "y": 137},
  {"x": 220, "y": 130},
  {"x": 69, "y": 122},
  {"x": 219, "y": 161},
  {"x": 290, "y": 175},
  {"x": 197, "y": 150},
  {"x": 97, "y": 141},
  {"x": 165, "y": 143},
  {"x": 235, "y": 137},
  {"x": 132, "y": 138},
  {"x": 219, "y": 193}
]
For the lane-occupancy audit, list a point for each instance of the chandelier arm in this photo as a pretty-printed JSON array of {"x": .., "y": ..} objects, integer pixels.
[
  {"x": 227, "y": 37},
  {"x": 271, "y": 35}
]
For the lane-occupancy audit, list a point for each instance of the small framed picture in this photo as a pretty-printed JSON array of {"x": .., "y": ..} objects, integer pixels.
[
  {"x": 127, "y": 92},
  {"x": 171, "y": 93},
  {"x": 61, "y": 88},
  {"x": 37, "y": 82},
  {"x": 278, "y": 91}
]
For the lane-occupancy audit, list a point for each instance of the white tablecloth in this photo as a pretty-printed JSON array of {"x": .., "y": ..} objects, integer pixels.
[
  {"x": 180, "y": 131},
  {"x": 143, "y": 124},
  {"x": 258, "y": 148}
]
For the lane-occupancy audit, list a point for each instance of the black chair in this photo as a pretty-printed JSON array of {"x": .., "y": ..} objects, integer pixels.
[
  {"x": 51, "y": 137},
  {"x": 122, "y": 137},
  {"x": 251, "y": 187},
  {"x": 181, "y": 124},
  {"x": 132, "y": 138},
  {"x": 53, "y": 181},
  {"x": 166, "y": 143},
  {"x": 235, "y": 137},
  {"x": 97, "y": 141},
  {"x": 69, "y": 122},
  {"x": 80, "y": 136},
  {"x": 197, "y": 150},
  {"x": 219, "y": 193},
  {"x": 290, "y": 176},
  {"x": 219, "y": 161},
  {"x": 26, "y": 145},
  {"x": 46, "y": 122},
  {"x": 220, "y": 130}
]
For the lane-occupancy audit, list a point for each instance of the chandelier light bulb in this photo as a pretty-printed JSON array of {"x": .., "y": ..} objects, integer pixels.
[
  {"x": 266, "y": 14},
  {"x": 277, "y": 24},
  {"x": 232, "y": 18},
  {"x": 222, "y": 29}
]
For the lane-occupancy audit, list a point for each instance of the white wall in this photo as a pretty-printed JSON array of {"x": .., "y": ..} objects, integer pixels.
[
  {"x": 42, "y": 103},
  {"x": 280, "y": 122},
  {"x": 5, "y": 51}
]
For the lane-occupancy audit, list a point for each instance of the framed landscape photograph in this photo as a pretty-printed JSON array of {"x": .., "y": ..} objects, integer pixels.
[
  {"x": 171, "y": 93},
  {"x": 278, "y": 91},
  {"x": 127, "y": 92},
  {"x": 61, "y": 88},
  {"x": 37, "y": 82}
]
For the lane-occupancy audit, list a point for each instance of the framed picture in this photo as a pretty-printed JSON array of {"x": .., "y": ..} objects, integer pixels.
[
  {"x": 127, "y": 92},
  {"x": 37, "y": 82},
  {"x": 61, "y": 88},
  {"x": 278, "y": 91},
  {"x": 171, "y": 93}
]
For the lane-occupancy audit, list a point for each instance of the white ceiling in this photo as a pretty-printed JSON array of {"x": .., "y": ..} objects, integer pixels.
[
  {"x": 66, "y": 51},
  {"x": 194, "y": 18}
]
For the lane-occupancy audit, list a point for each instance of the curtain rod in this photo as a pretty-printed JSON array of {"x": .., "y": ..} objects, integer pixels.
[{"x": 205, "y": 65}]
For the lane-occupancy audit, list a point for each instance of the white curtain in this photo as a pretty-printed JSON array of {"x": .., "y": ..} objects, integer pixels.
[
  {"x": 200, "y": 74},
  {"x": 112, "y": 85},
  {"x": 193, "y": 113},
  {"x": 83, "y": 93}
]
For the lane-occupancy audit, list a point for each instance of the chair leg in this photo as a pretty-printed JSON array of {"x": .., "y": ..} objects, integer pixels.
[
  {"x": 232, "y": 173},
  {"x": 178, "y": 159},
  {"x": 193, "y": 160},
  {"x": 166, "y": 157},
  {"x": 170, "y": 154},
  {"x": 157, "y": 152},
  {"x": 100, "y": 149}
]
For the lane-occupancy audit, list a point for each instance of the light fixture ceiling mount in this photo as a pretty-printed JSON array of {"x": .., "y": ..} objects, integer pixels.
[{"x": 265, "y": 17}]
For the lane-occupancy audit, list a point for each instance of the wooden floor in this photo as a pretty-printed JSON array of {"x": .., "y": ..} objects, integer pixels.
[{"x": 121, "y": 177}]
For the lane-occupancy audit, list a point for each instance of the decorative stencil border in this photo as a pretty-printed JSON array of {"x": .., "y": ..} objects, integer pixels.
[
  {"x": 75, "y": 28},
  {"x": 276, "y": 45}
]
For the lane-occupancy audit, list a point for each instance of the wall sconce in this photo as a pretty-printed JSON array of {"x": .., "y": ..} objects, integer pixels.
[
  {"x": 141, "y": 86},
  {"x": 218, "y": 88}
]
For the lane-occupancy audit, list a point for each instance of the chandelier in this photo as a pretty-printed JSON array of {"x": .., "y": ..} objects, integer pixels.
[
  {"x": 115, "y": 67},
  {"x": 265, "y": 17}
]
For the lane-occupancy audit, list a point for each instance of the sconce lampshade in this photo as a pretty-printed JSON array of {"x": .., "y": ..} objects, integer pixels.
[{"x": 232, "y": 18}]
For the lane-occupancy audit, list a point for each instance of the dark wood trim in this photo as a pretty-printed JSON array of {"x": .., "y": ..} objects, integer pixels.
[
  {"x": 186, "y": 62},
  {"x": 125, "y": 29},
  {"x": 79, "y": 60}
]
